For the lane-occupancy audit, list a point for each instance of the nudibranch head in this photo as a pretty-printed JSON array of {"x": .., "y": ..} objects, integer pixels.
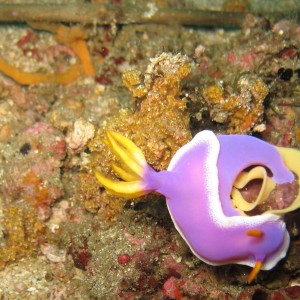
[{"x": 197, "y": 187}]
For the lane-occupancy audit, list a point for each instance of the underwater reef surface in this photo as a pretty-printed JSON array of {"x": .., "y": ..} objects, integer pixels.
[{"x": 62, "y": 235}]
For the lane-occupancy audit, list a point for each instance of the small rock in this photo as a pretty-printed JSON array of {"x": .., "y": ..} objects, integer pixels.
[
  {"x": 171, "y": 288},
  {"x": 53, "y": 253},
  {"x": 82, "y": 132}
]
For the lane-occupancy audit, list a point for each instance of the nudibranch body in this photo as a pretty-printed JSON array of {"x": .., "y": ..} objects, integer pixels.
[{"x": 199, "y": 203}]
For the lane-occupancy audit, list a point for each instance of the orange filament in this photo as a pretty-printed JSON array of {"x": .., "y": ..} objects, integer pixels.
[
  {"x": 33, "y": 78},
  {"x": 255, "y": 233},
  {"x": 255, "y": 271},
  {"x": 73, "y": 37},
  {"x": 82, "y": 52}
]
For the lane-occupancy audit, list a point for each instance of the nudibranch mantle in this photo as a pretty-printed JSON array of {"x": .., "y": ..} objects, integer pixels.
[{"x": 198, "y": 197}]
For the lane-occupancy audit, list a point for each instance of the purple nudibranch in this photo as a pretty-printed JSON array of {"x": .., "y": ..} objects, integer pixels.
[{"x": 197, "y": 186}]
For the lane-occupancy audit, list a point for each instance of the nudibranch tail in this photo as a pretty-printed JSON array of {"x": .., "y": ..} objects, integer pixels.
[{"x": 133, "y": 168}]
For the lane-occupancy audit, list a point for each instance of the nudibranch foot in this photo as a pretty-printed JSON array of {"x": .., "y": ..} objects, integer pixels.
[{"x": 133, "y": 168}]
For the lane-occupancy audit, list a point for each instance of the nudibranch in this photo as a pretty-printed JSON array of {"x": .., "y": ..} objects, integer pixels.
[{"x": 197, "y": 186}]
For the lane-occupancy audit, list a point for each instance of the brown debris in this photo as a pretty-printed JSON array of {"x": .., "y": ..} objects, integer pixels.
[{"x": 242, "y": 111}]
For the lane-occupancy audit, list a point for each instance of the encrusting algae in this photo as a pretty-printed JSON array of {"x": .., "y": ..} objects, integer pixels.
[
  {"x": 73, "y": 37},
  {"x": 23, "y": 230},
  {"x": 159, "y": 126},
  {"x": 242, "y": 111},
  {"x": 132, "y": 79}
]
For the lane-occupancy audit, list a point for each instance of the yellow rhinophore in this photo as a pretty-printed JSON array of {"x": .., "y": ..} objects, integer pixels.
[{"x": 133, "y": 164}]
